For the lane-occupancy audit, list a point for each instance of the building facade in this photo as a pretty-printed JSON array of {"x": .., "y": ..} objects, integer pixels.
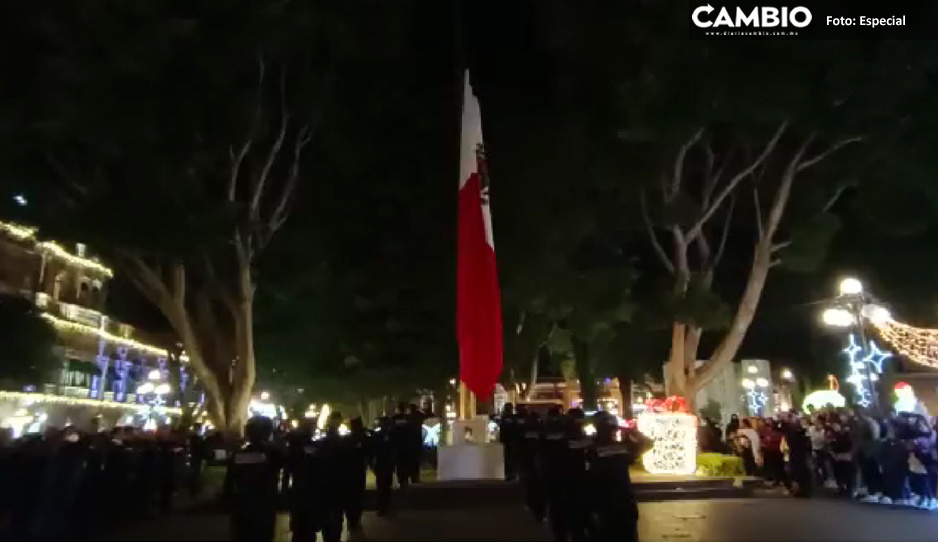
[{"x": 102, "y": 360}]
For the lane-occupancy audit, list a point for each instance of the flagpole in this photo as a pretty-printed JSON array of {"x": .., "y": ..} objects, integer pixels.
[{"x": 466, "y": 397}]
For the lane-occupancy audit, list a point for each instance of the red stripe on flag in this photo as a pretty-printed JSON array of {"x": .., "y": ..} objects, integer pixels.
[{"x": 478, "y": 299}]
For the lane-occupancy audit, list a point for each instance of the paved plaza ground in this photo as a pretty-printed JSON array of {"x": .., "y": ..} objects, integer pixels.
[{"x": 718, "y": 520}]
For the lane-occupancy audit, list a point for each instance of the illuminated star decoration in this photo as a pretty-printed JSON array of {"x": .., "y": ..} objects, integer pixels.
[
  {"x": 755, "y": 400},
  {"x": 865, "y": 369}
]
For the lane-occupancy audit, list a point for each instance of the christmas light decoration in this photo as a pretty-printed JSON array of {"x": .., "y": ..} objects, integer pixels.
[
  {"x": 40, "y": 398},
  {"x": 674, "y": 431},
  {"x": 864, "y": 371},
  {"x": 23, "y": 233},
  {"x": 756, "y": 400},
  {"x": 84, "y": 329},
  {"x": 919, "y": 345},
  {"x": 822, "y": 398}
]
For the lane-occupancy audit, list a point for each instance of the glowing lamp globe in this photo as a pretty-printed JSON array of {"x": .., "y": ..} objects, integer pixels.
[
  {"x": 851, "y": 286},
  {"x": 162, "y": 389},
  {"x": 154, "y": 375},
  {"x": 145, "y": 388},
  {"x": 876, "y": 314},
  {"x": 748, "y": 383},
  {"x": 837, "y": 317}
]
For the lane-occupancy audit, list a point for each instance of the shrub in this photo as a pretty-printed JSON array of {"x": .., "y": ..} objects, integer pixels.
[{"x": 711, "y": 464}]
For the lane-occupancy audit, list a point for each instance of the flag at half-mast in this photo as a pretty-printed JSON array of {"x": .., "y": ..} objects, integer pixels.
[{"x": 478, "y": 299}]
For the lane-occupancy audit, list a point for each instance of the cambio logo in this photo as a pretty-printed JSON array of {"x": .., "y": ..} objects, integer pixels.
[{"x": 758, "y": 17}]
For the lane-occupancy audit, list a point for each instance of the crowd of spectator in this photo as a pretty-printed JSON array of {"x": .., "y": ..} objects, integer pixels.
[{"x": 877, "y": 456}]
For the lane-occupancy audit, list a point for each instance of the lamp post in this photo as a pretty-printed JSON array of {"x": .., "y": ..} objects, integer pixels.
[{"x": 847, "y": 312}]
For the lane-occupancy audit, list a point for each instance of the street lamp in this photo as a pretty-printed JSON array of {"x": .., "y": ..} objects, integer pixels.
[
  {"x": 787, "y": 374},
  {"x": 848, "y": 311},
  {"x": 851, "y": 286}
]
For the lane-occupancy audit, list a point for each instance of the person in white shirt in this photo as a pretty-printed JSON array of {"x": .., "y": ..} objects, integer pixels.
[{"x": 755, "y": 447}]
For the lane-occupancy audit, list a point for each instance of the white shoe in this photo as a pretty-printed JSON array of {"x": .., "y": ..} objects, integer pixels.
[
  {"x": 831, "y": 484},
  {"x": 885, "y": 500},
  {"x": 870, "y": 498}
]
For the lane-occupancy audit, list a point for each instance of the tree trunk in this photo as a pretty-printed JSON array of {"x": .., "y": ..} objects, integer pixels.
[
  {"x": 588, "y": 389},
  {"x": 745, "y": 312},
  {"x": 625, "y": 391},
  {"x": 534, "y": 368}
]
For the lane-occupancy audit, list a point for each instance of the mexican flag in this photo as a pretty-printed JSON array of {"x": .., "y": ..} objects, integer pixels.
[{"x": 478, "y": 299}]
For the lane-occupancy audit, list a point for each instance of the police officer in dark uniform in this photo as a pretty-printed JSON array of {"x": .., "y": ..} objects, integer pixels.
[
  {"x": 400, "y": 437},
  {"x": 508, "y": 436},
  {"x": 613, "y": 506},
  {"x": 251, "y": 483},
  {"x": 575, "y": 469},
  {"x": 334, "y": 479},
  {"x": 415, "y": 441},
  {"x": 531, "y": 477},
  {"x": 303, "y": 474},
  {"x": 555, "y": 468},
  {"x": 357, "y": 456},
  {"x": 382, "y": 463}
]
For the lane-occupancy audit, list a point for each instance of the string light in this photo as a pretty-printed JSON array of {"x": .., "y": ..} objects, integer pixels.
[
  {"x": 30, "y": 398},
  {"x": 674, "y": 430},
  {"x": 85, "y": 329},
  {"x": 21, "y": 233},
  {"x": 24, "y": 233},
  {"x": 919, "y": 345}
]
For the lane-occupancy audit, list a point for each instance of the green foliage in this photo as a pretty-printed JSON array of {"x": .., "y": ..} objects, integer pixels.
[
  {"x": 27, "y": 354},
  {"x": 712, "y": 464}
]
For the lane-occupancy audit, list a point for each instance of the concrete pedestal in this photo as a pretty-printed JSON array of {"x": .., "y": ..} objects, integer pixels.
[{"x": 471, "y": 461}]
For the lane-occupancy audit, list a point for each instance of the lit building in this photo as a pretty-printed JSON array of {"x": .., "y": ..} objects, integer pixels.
[
  {"x": 102, "y": 360},
  {"x": 745, "y": 388}
]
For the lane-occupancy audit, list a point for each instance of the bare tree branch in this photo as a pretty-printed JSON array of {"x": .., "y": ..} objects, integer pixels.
[
  {"x": 780, "y": 246},
  {"x": 725, "y": 234},
  {"x": 650, "y": 227},
  {"x": 735, "y": 180},
  {"x": 237, "y": 158},
  {"x": 757, "y": 204},
  {"x": 67, "y": 176},
  {"x": 261, "y": 179},
  {"x": 178, "y": 281},
  {"x": 676, "y": 178},
  {"x": 830, "y": 150},
  {"x": 834, "y": 199},
  {"x": 784, "y": 190}
]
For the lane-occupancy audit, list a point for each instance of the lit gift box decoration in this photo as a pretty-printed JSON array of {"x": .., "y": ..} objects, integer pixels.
[{"x": 674, "y": 431}]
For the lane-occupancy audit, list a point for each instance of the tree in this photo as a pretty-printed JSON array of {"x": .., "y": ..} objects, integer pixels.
[
  {"x": 27, "y": 354},
  {"x": 186, "y": 126},
  {"x": 713, "y": 136}
]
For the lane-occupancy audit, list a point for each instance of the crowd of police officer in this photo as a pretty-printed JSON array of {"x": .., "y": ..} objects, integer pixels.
[
  {"x": 70, "y": 484},
  {"x": 321, "y": 481},
  {"x": 574, "y": 470}
]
